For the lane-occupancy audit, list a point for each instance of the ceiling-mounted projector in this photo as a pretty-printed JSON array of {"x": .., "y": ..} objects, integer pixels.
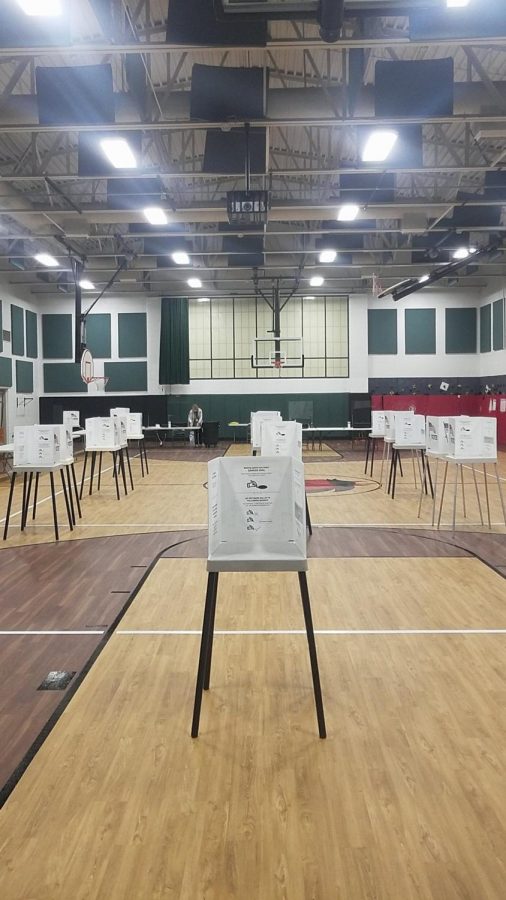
[{"x": 328, "y": 13}]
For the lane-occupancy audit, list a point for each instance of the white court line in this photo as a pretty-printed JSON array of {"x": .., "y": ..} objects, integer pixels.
[
  {"x": 324, "y": 631},
  {"x": 88, "y": 631}
]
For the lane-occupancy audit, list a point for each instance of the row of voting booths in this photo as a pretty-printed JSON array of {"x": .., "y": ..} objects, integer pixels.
[
  {"x": 257, "y": 523},
  {"x": 464, "y": 441}
]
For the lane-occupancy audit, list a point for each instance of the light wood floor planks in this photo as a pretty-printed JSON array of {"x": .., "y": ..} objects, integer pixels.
[{"x": 404, "y": 800}]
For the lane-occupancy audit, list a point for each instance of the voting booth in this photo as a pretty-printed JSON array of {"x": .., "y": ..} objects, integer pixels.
[
  {"x": 103, "y": 432},
  {"x": 437, "y": 434},
  {"x": 42, "y": 445},
  {"x": 134, "y": 426},
  {"x": 409, "y": 429},
  {"x": 378, "y": 423},
  {"x": 472, "y": 437},
  {"x": 71, "y": 418},
  {"x": 282, "y": 439},
  {"x": 256, "y": 524},
  {"x": 106, "y": 434},
  {"x": 257, "y": 420}
]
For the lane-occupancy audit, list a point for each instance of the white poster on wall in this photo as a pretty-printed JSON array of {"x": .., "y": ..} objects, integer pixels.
[
  {"x": 257, "y": 515},
  {"x": 257, "y": 419},
  {"x": 282, "y": 439}
]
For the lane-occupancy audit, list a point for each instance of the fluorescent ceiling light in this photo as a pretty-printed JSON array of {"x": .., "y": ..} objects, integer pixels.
[
  {"x": 155, "y": 215},
  {"x": 348, "y": 212},
  {"x": 327, "y": 256},
  {"x": 308, "y": 298},
  {"x": 423, "y": 279},
  {"x": 87, "y": 285},
  {"x": 194, "y": 283},
  {"x": 119, "y": 153},
  {"x": 41, "y": 7},
  {"x": 316, "y": 281},
  {"x": 463, "y": 252},
  {"x": 379, "y": 145},
  {"x": 181, "y": 258},
  {"x": 45, "y": 259},
  {"x": 203, "y": 300},
  {"x": 453, "y": 4}
]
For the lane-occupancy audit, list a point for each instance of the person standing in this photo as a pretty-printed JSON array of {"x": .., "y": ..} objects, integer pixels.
[{"x": 195, "y": 419}]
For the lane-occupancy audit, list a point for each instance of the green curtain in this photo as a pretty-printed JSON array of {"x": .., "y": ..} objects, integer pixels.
[{"x": 174, "y": 342}]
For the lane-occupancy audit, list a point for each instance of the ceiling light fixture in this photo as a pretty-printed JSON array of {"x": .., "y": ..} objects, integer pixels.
[
  {"x": 86, "y": 285},
  {"x": 119, "y": 153},
  {"x": 45, "y": 259},
  {"x": 181, "y": 258},
  {"x": 155, "y": 215},
  {"x": 379, "y": 145},
  {"x": 203, "y": 299},
  {"x": 348, "y": 212},
  {"x": 463, "y": 252},
  {"x": 327, "y": 256},
  {"x": 37, "y": 8},
  {"x": 316, "y": 281},
  {"x": 423, "y": 279},
  {"x": 194, "y": 283},
  {"x": 454, "y": 4},
  {"x": 308, "y": 298}
]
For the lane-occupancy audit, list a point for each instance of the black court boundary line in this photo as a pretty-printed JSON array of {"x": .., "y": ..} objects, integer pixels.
[{"x": 14, "y": 779}]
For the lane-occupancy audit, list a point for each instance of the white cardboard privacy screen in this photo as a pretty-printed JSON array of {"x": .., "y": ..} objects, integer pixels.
[
  {"x": 103, "y": 432},
  {"x": 42, "y": 445},
  {"x": 473, "y": 437},
  {"x": 437, "y": 434},
  {"x": 282, "y": 439},
  {"x": 257, "y": 514},
  {"x": 378, "y": 423},
  {"x": 71, "y": 418},
  {"x": 409, "y": 429},
  {"x": 257, "y": 419}
]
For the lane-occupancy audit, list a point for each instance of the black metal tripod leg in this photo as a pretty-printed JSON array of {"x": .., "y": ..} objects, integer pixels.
[
  {"x": 23, "y": 502},
  {"x": 141, "y": 459},
  {"x": 308, "y": 518},
  {"x": 71, "y": 498},
  {"x": 9, "y": 505},
  {"x": 429, "y": 473},
  {"x": 207, "y": 678},
  {"x": 204, "y": 644},
  {"x": 99, "y": 471},
  {"x": 145, "y": 456},
  {"x": 66, "y": 497},
  {"x": 396, "y": 457},
  {"x": 27, "y": 502},
  {"x": 123, "y": 470},
  {"x": 55, "y": 514},
  {"x": 306, "y": 606},
  {"x": 115, "y": 472},
  {"x": 92, "y": 473},
  {"x": 367, "y": 451}
]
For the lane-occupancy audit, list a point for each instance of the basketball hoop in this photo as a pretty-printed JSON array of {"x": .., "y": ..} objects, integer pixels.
[
  {"x": 87, "y": 370},
  {"x": 277, "y": 364},
  {"x": 277, "y": 359}
]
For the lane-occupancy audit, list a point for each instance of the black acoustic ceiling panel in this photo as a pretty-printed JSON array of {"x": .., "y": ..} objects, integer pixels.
[
  {"x": 91, "y": 159},
  {"x": 163, "y": 247},
  {"x": 340, "y": 241},
  {"x": 476, "y": 217},
  {"x": 134, "y": 193},
  {"x": 20, "y": 30},
  {"x": 196, "y": 22},
  {"x": 495, "y": 185},
  {"x": 225, "y": 93},
  {"x": 225, "y": 151},
  {"x": 483, "y": 18},
  {"x": 244, "y": 252},
  {"x": 364, "y": 188},
  {"x": 75, "y": 95},
  {"x": 414, "y": 88}
]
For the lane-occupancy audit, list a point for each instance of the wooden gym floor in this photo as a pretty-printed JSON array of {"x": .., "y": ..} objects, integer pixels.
[{"x": 106, "y": 795}]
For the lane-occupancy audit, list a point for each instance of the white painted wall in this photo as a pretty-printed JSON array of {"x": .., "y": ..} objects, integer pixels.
[
  {"x": 426, "y": 365},
  {"x": 494, "y": 363},
  {"x": 22, "y": 410}
]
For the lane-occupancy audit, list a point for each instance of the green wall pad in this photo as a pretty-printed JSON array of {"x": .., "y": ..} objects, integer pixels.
[
  {"x": 98, "y": 335},
  {"x": 461, "y": 330},
  {"x": 327, "y": 409},
  {"x": 24, "y": 377},
  {"x": 63, "y": 378},
  {"x": 127, "y": 376},
  {"x": 498, "y": 325},
  {"x": 132, "y": 339},
  {"x": 57, "y": 336},
  {"x": 5, "y": 372},
  {"x": 382, "y": 331},
  {"x": 17, "y": 330},
  {"x": 420, "y": 330},
  {"x": 485, "y": 328},
  {"x": 1, "y": 329},
  {"x": 32, "y": 343}
]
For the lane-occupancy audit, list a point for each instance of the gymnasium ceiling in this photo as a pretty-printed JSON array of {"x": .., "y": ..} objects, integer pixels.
[{"x": 320, "y": 97}]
